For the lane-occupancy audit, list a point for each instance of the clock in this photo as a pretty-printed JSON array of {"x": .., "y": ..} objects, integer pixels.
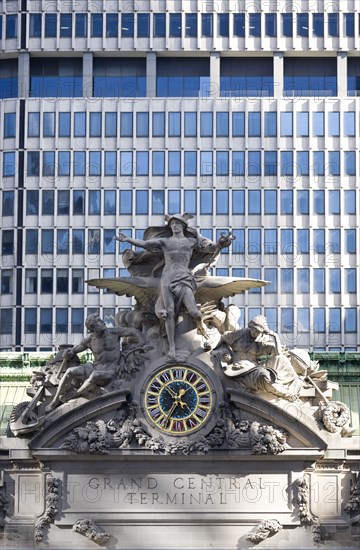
[{"x": 178, "y": 400}]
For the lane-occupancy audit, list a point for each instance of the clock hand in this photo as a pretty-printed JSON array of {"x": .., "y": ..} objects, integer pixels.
[
  {"x": 170, "y": 391},
  {"x": 170, "y": 413}
]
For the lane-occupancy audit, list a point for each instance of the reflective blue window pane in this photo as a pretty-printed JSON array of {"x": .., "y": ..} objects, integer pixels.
[
  {"x": 9, "y": 164},
  {"x": 254, "y": 124},
  {"x": 303, "y": 202},
  {"x": 32, "y": 202},
  {"x": 158, "y": 163},
  {"x": 191, "y": 24},
  {"x": 158, "y": 124},
  {"x": 222, "y": 124},
  {"x": 254, "y": 274},
  {"x": 254, "y": 163},
  {"x": 50, "y": 25},
  {"x": 79, "y": 163},
  {"x": 174, "y": 202},
  {"x": 206, "y": 163},
  {"x": 49, "y": 125},
  {"x": 95, "y": 163},
  {"x": 190, "y": 163},
  {"x": 190, "y": 202},
  {"x": 350, "y": 280},
  {"x": 158, "y": 202},
  {"x": 287, "y": 241},
  {"x": 302, "y": 163},
  {"x": 270, "y": 275},
  {"x": 303, "y": 319},
  {"x": 302, "y": 123},
  {"x": 319, "y": 320},
  {"x": 286, "y": 124},
  {"x": 334, "y": 236},
  {"x": 94, "y": 202},
  {"x": 79, "y": 202},
  {"x": 142, "y": 124},
  {"x": 61, "y": 326},
  {"x": 80, "y": 124},
  {"x": 223, "y": 24},
  {"x": 270, "y": 24},
  {"x": 270, "y": 124},
  {"x": 334, "y": 319},
  {"x": 143, "y": 25},
  {"x": 7, "y": 203},
  {"x": 334, "y": 123},
  {"x": 222, "y": 163},
  {"x": 287, "y": 319},
  {"x": 350, "y": 319},
  {"x": 96, "y": 24},
  {"x": 127, "y": 25},
  {"x": 81, "y": 25},
  {"x": 319, "y": 163},
  {"x": 334, "y": 163},
  {"x": 350, "y": 163},
  {"x": 350, "y": 201},
  {"x": 31, "y": 243},
  {"x": 254, "y": 241},
  {"x": 109, "y": 241},
  {"x": 142, "y": 202},
  {"x": 126, "y": 163},
  {"x": 302, "y": 24},
  {"x": 222, "y": 202},
  {"x": 30, "y": 320},
  {"x": 333, "y": 24},
  {"x": 174, "y": 124},
  {"x": 95, "y": 124},
  {"x": 270, "y": 200},
  {"x": 78, "y": 241},
  {"x": 319, "y": 202},
  {"x": 207, "y": 24},
  {"x": 270, "y": 241},
  {"x": 238, "y": 124},
  {"x": 270, "y": 163},
  {"x": 7, "y": 248},
  {"x": 318, "y": 24},
  {"x": 239, "y": 24},
  {"x": 190, "y": 123},
  {"x": 10, "y": 124},
  {"x": 46, "y": 320},
  {"x": 319, "y": 241},
  {"x": 174, "y": 163},
  {"x": 303, "y": 280},
  {"x": 56, "y": 86},
  {"x": 255, "y": 24},
  {"x": 142, "y": 163},
  {"x": 319, "y": 280},
  {"x": 66, "y": 25},
  {"x": 349, "y": 123},
  {"x": 206, "y": 124},
  {"x": 238, "y": 163},
  {"x": 254, "y": 202},
  {"x": 335, "y": 280},
  {"x": 64, "y": 163},
  {"x": 126, "y": 125},
  {"x": 110, "y": 163},
  {"x": 64, "y": 124},
  {"x": 47, "y": 208},
  {"x": 109, "y": 203},
  {"x": 47, "y": 241},
  {"x": 303, "y": 241},
  {"x": 287, "y": 163},
  {"x": 238, "y": 246},
  {"x": 175, "y": 25},
  {"x": 35, "y": 25},
  {"x": 94, "y": 241},
  {"x": 120, "y": 86},
  {"x": 349, "y": 20},
  {"x": 77, "y": 320},
  {"x": 350, "y": 241},
  {"x": 33, "y": 163},
  {"x": 159, "y": 24},
  {"x": 287, "y": 24},
  {"x": 334, "y": 202},
  {"x": 125, "y": 202},
  {"x": 206, "y": 206},
  {"x": 318, "y": 124},
  {"x": 238, "y": 202},
  {"x": 111, "y": 124},
  {"x": 287, "y": 280}
]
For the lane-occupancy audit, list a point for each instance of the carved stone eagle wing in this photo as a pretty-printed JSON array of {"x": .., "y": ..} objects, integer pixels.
[
  {"x": 144, "y": 289},
  {"x": 216, "y": 288}
]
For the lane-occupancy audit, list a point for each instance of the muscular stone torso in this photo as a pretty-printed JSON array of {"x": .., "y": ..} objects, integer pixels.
[{"x": 106, "y": 349}]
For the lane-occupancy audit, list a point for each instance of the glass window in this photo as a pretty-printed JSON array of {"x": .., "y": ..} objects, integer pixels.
[
  {"x": 254, "y": 202},
  {"x": 175, "y": 25},
  {"x": 303, "y": 319},
  {"x": 143, "y": 25},
  {"x": 142, "y": 202},
  {"x": 222, "y": 124},
  {"x": 207, "y": 24},
  {"x": 31, "y": 281},
  {"x": 335, "y": 280},
  {"x": 10, "y": 125},
  {"x": 238, "y": 124},
  {"x": 63, "y": 241},
  {"x": 109, "y": 203},
  {"x": 270, "y": 200},
  {"x": 238, "y": 163},
  {"x": 223, "y": 24},
  {"x": 191, "y": 24},
  {"x": 254, "y": 163},
  {"x": 174, "y": 163},
  {"x": 270, "y": 124},
  {"x": 111, "y": 124},
  {"x": 110, "y": 163},
  {"x": 319, "y": 241},
  {"x": 81, "y": 25},
  {"x": 270, "y": 24},
  {"x": 318, "y": 124},
  {"x": 302, "y": 24},
  {"x": 190, "y": 160},
  {"x": 30, "y": 320},
  {"x": 206, "y": 163},
  {"x": 255, "y": 24},
  {"x": 190, "y": 202},
  {"x": 206, "y": 204},
  {"x": 95, "y": 163},
  {"x": 319, "y": 280},
  {"x": 33, "y": 163},
  {"x": 254, "y": 241},
  {"x": 334, "y": 319},
  {"x": 319, "y": 319},
  {"x": 222, "y": 163},
  {"x": 32, "y": 202},
  {"x": 7, "y": 203},
  {"x": 47, "y": 208},
  {"x": 112, "y": 25},
  {"x": 158, "y": 202},
  {"x": 334, "y": 202},
  {"x": 47, "y": 241},
  {"x": 287, "y": 24},
  {"x": 270, "y": 163},
  {"x": 142, "y": 124},
  {"x": 94, "y": 202},
  {"x": 49, "y": 125},
  {"x": 7, "y": 242},
  {"x": 64, "y": 125},
  {"x": 333, "y": 24},
  {"x": 95, "y": 124},
  {"x": 238, "y": 246},
  {"x": 318, "y": 24},
  {"x": 79, "y": 202},
  {"x": 254, "y": 124},
  {"x": 79, "y": 163},
  {"x": 126, "y": 124},
  {"x": 174, "y": 124},
  {"x": 349, "y": 24},
  {"x": 109, "y": 241},
  {"x": 350, "y": 241},
  {"x": 96, "y": 24},
  {"x": 80, "y": 124},
  {"x": 287, "y": 319},
  {"x": 158, "y": 124},
  {"x": 350, "y": 319},
  {"x": 94, "y": 241},
  {"x": 222, "y": 202},
  {"x": 349, "y": 123},
  {"x": 35, "y": 25},
  {"x": 206, "y": 124},
  {"x": 350, "y": 280},
  {"x": 270, "y": 241},
  {"x": 287, "y": 163},
  {"x": 159, "y": 24},
  {"x": 334, "y": 124},
  {"x": 174, "y": 202},
  {"x": 302, "y": 124},
  {"x": 270, "y": 274},
  {"x": 287, "y": 241},
  {"x": 33, "y": 125},
  {"x": 64, "y": 163},
  {"x": 319, "y": 202},
  {"x": 319, "y": 163},
  {"x": 350, "y": 202},
  {"x": 238, "y": 202},
  {"x": 78, "y": 242},
  {"x": 9, "y": 164},
  {"x": 303, "y": 241},
  {"x": 334, "y": 163},
  {"x": 62, "y": 281},
  {"x": 66, "y": 25},
  {"x": 303, "y": 280},
  {"x": 302, "y": 161},
  {"x": 334, "y": 241},
  {"x": 158, "y": 163},
  {"x": 239, "y": 24},
  {"x": 77, "y": 320},
  {"x": 61, "y": 326},
  {"x": 286, "y": 124},
  {"x": 31, "y": 244},
  {"x": 50, "y": 25},
  {"x": 287, "y": 280},
  {"x": 350, "y": 163},
  {"x": 190, "y": 123}
]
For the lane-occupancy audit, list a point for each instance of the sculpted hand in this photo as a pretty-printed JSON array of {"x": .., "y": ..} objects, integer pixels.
[
  {"x": 121, "y": 237},
  {"x": 226, "y": 240}
]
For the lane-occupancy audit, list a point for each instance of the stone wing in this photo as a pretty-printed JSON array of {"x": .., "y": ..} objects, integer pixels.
[
  {"x": 144, "y": 289},
  {"x": 216, "y": 288}
]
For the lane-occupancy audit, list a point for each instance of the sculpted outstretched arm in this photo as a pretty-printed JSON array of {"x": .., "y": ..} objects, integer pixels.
[
  {"x": 130, "y": 332},
  {"x": 148, "y": 245},
  {"x": 84, "y": 345}
]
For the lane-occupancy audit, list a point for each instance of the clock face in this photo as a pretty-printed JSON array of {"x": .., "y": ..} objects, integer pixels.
[{"x": 178, "y": 400}]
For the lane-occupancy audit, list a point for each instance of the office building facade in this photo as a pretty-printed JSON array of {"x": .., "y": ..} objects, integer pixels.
[{"x": 243, "y": 113}]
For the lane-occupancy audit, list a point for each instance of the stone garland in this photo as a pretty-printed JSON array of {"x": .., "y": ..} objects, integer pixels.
[
  {"x": 89, "y": 529},
  {"x": 353, "y": 504},
  {"x": 267, "y": 528},
  {"x": 306, "y": 518},
  {"x": 52, "y": 500}
]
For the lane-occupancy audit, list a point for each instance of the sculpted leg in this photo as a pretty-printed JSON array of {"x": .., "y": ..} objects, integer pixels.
[
  {"x": 65, "y": 383},
  {"x": 190, "y": 304}
]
